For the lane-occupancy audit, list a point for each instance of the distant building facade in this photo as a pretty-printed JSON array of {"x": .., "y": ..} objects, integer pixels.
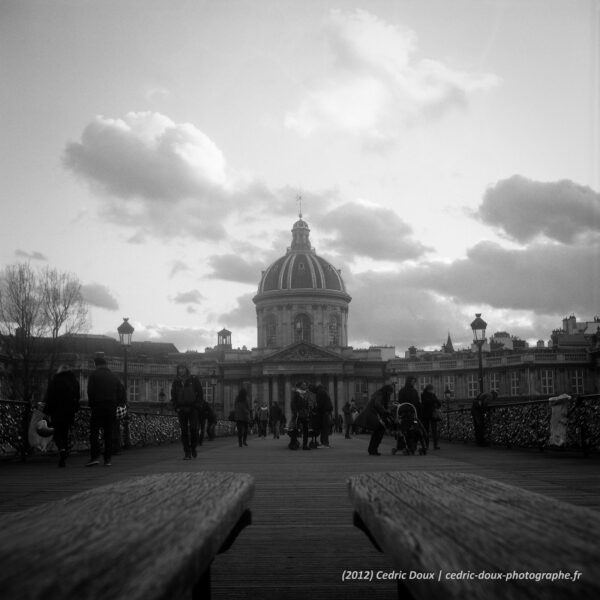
[{"x": 302, "y": 314}]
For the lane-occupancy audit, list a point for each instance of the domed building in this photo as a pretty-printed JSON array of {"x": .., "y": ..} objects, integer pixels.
[{"x": 301, "y": 298}]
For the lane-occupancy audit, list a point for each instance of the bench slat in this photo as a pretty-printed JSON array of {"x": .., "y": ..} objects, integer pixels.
[
  {"x": 432, "y": 522},
  {"x": 148, "y": 537}
]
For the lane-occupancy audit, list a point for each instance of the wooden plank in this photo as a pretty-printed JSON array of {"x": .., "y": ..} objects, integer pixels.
[
  {"x": 143, "y": 538},
  {"x": 447, "y": 522}
]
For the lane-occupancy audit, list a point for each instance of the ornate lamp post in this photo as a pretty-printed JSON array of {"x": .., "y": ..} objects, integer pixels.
[
  {"x": 125, "y": 331},
  {"x": 478, "y": 326}
]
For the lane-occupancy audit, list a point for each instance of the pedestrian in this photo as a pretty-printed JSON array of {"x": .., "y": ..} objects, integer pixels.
[
  {"x": 348, "y": 410},
  {"x": 207, "y": 420},
  {"x": 241, "y": 410},
  {"x": 254, "y": 418},
  {"x": 301, "y": 413},
  {"x": 324, "y": 409},
  {"x": 61, "y": 404},
  {"x": 105, "y": 392},
  {"x": 409, "y": 394},
  {"x": 263, "y": 420},
  {"x": 479, "y": 408},
  {"x": 211, "y": 423},
  {"x": 276, "y": 417},
  {"x": 187, "y": 398},
  {"x": 375, "y": 416},
  {"x": 430, "y": 407}
]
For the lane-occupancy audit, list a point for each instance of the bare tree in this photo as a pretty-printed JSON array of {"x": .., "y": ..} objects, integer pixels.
[{"x": 36, "y": 308}]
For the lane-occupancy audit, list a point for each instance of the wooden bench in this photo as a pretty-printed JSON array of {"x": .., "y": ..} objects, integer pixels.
[
  {"x": 475, "y": 537},
  {"x": 145, "y": 538}
]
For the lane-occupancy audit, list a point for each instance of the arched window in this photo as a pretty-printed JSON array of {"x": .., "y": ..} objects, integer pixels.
[
  {"x": 302, "y": 328},
  {"x": 334, "y": 330},
  {"x": 271, "y": 331}
]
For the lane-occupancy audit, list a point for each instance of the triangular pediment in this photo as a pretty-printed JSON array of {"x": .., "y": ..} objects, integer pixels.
[{"x": 303, "y": 351}]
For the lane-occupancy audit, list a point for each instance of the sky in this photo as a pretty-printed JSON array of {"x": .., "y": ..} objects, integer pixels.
[{"x": 447, "y": 153}]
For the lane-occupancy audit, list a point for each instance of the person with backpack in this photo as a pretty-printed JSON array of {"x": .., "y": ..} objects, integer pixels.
[{"x": 187, "y": 399}]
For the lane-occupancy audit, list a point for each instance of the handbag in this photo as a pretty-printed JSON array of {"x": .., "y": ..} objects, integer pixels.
[{"x": 121, "y": 412}]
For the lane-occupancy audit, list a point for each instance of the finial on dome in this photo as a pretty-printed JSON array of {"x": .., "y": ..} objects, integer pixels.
[{"x": 299, "y": 203}]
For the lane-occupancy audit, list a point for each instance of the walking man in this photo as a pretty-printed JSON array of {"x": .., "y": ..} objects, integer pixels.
[
  {"x": 105, "y": 391},
  {"x": 187, "y": 398}
]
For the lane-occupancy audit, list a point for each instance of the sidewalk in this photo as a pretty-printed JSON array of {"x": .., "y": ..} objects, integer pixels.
[{"x": 302, "y": 537}]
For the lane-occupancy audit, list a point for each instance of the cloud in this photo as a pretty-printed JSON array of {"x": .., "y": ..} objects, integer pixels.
[
  {"x": 525, "y": 209},
  {"x": 546, "y": 278},
  {"x": 147, "y": 155},
  {"x": 99, "y": 295},
  {"x": 243, "y": 315},
  {"x": 160, "y": 177},
  {"x": 30, "y": 255},
  {"x": 371, "y": 231},
  {"x": 376, "y": 84},
  {"x": 190, "y": 297},
  {"x": 178, "y": 266},
  {"x": 233, "y": 267},
  {"x": 193, "y": 338},
  {"x": 385, "y": 311}
]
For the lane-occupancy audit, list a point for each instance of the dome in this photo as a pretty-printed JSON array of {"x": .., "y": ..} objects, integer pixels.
[{"x": 301, "y": 268}]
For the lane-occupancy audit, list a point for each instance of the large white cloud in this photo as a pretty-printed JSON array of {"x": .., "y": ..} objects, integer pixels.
[
  {"x": 525, "y": 209},
  {"x": 377, "y": 84},
  {"x": 147, "y": 155},
  {"x": 160, "y": 177}
]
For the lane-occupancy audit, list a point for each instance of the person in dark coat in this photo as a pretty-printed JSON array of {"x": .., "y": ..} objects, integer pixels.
[
  {"x": 479, "y": 408},
  {"x": 324, "y": 408},
  {"x": 301, "y": 412},
  {"x": 430, "y": 406},
  {"x": 241, "y": 410},
  {"x": 277, "y": 417},
  {"x": 61, "y": 404},
  {"x": 105, "y": 391},
  {"x": 374, "y": 417},
  {"x": 409, "y": 394},
  {"x": 187, "y": 399},
  {"x": 207, "y": 420}
]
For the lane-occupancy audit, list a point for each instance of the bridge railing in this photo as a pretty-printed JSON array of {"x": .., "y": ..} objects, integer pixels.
[
  {"x": 146, "y": 428},
  {"x": 528, "y": 424}
]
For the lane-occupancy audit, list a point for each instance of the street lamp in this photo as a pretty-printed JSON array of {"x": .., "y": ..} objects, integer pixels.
[
  {"x": 447, "y": 396},
  {"x": 478, "y": 326},
  {"x": 125, "y": 331}
]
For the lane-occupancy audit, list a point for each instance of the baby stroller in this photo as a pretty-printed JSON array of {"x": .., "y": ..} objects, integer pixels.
[{"x": 409, "y": 431}]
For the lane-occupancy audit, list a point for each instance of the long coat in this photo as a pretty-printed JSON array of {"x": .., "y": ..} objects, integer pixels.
[
  {"x": 374, "y": 413},
  {"x": 429, "y": 402},
  {"x": 409, "y": 394},
  {"x": 241, "y": 410},
  {"x": 62, "y": 398}
]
